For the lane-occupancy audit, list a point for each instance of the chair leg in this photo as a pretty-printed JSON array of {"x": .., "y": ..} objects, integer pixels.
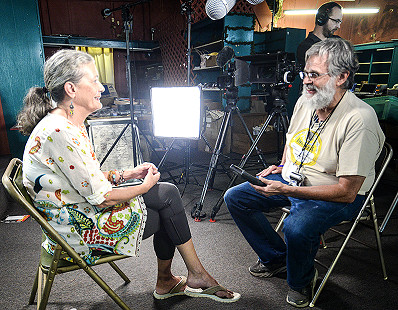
[
  {"x": 323, "y": 242},
  {"x": 388, "y": 215},
  {"x": 378, "y": 240},
  {"x": 280, "y": 222},
  {"x": 49, "y": 278},
  {"x": 120, "y": 272},
  {"x": 34, "y": 288},
  {"x": 105, "y": 287},
  {"x": 326, "y": 277},
  {"x": 41, "y": 277}
]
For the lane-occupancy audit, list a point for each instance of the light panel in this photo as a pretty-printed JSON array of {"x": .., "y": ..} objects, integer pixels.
[{"x": 176, "y": 112}]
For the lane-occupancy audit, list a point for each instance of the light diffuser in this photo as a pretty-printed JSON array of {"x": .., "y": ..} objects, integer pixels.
[{"x": 176, "y": 112}]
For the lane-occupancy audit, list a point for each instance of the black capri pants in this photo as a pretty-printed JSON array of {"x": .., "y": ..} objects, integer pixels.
[{"x": 166, "y": 219}]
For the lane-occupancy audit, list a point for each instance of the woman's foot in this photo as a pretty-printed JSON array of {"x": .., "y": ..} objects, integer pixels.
[
  {"x": 205, "y": 281},
  {"x": 172, "y": 285}
]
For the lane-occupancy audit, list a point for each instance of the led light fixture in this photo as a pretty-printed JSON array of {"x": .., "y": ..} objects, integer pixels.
[
  {"x": 345, "y": 11},
  {"x": 176, "y": 112}
]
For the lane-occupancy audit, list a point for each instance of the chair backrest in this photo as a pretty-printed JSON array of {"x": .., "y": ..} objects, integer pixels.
[
  {"x": 12, "y": 182},
  {"x": 380, "y": 166}
]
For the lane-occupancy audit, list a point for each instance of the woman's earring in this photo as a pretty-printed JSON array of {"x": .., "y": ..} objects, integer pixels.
[{"x": 71, "y": 108}]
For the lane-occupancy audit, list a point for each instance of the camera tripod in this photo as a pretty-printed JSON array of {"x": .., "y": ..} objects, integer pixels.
[
  {"x": 281, "y": 124},
  {"x": 230, "y": 109}
]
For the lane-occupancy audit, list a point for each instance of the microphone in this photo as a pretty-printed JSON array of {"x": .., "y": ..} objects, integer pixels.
[
  {"x": 105, "y": 13},
  {"x": 217, "y": 9},
  {"x": 224, "y": 56}
]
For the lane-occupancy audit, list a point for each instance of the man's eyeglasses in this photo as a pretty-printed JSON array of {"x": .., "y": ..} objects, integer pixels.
[
  {"x": 311, "y": 75},
  {"x": 337, "y": 21}
]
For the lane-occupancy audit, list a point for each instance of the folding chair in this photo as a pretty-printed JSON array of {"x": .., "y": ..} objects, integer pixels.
[
  {"x": 52, "y": 265},
  {"x": 380, "y": 167}
]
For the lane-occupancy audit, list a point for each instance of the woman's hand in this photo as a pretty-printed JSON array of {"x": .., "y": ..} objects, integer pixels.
[
  {"x": 152, "y": 177},
  {"x": 270, "y": 170},
  {"x": 141, "y": 171}
]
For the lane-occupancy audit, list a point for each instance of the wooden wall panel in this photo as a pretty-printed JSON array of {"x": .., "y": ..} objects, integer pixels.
[{"x": 362, "y": 28}]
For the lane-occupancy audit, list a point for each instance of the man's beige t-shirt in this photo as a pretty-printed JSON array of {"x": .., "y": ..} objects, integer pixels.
[{"x": 349, "y": 143}]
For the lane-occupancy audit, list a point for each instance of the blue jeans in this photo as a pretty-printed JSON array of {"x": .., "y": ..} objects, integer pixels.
[{"x": 302, "y": 229}]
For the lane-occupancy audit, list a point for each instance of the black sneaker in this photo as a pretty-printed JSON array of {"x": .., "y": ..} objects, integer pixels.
[
  {"x": 266, "y": 271},
  {"x": 303, "y": 297}
]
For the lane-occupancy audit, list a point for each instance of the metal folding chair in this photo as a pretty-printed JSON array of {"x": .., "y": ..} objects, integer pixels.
[
  {"x": 52, "y": 265},
  {"x": 380, "y": 167}
]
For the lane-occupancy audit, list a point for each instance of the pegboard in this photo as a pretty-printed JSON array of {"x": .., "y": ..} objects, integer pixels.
[{"x": 172, "y": 36}]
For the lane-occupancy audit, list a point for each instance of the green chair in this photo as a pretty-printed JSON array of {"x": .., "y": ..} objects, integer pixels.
[
  {"x": 380, "y": 167},
  {"x": 52, "y": 265}
]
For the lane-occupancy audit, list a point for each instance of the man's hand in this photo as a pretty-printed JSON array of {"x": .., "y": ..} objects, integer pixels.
[
  {"x": 270, "y": 170},
  {"x": 272, "y": 188},
  {"x": 344, "y": 191}
]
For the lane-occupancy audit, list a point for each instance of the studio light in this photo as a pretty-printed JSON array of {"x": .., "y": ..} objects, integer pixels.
[
  {"x": 176, "y": 112},
  {"x": 217, "y": 9}
]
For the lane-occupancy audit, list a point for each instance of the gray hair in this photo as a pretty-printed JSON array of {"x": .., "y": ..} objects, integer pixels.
[
  {"x": 340, "y": 57},
  {"x": 62, "y": 67}
]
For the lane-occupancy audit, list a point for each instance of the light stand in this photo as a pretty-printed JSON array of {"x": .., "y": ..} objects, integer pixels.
[
  {"x": 135, "y": 132},
  {"x": 186, "y": 9}
]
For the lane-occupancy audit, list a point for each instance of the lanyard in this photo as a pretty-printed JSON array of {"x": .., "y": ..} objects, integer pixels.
[{"x": 317, "y": 133}]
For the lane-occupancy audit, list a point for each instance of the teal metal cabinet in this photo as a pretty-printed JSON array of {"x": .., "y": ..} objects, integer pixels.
[
  {"x": 378, "y": 63},
  {"x": 234, "y": 30}
]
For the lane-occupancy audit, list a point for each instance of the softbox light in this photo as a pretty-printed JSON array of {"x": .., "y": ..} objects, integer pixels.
[{"x": 176, "y": 112}]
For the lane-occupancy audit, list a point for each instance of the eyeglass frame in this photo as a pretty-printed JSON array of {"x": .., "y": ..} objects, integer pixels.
[
  {"x": 337, "y": 21},
  {"x": 309, "y": 75}
]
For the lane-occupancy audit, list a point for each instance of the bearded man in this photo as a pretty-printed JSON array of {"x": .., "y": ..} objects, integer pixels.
[
  {"x": 333, "y": 141},
  {"x": 327, "y": 21}
]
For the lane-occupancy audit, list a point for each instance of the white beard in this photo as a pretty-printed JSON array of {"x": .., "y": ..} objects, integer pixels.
[{"x": 323, "y": 96}]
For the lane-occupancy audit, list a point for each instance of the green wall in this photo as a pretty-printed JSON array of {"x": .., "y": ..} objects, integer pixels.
[{"x": 22, "y": 57}]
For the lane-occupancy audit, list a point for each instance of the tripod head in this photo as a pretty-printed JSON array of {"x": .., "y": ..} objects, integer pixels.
[{"x": 186, "y": 7}]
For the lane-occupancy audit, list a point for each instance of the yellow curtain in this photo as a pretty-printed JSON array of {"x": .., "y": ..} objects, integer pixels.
[{"x": 104, "y": 62}]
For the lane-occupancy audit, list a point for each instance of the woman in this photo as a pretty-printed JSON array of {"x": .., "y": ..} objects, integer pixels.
[{"x": 64, "y": 179}]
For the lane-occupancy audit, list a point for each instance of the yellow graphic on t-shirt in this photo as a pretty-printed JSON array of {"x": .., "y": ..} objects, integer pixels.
[{"x": 310, "y": 154}]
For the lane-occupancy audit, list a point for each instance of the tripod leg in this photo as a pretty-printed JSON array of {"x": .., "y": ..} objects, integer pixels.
[
  {"x": 242, "y": 163},
  {"x": 251, "y": 137},
  {"x": 196, "y": 210}
]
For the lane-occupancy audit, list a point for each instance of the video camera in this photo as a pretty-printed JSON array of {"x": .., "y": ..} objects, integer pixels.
[{"x": 272, "y": 68}]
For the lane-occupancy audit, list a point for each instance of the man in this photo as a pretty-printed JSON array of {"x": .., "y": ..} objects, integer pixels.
[
  {"x": 327, "y": 21},
  {"x": 332, "y": 143}
]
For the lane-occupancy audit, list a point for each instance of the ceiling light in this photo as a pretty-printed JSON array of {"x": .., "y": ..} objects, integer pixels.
[{"x": 345, "y": 11}]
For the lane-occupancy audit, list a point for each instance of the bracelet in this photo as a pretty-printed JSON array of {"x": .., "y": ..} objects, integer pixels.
[
  {"x": 121, "y": 178},
  {"x": 280, "y": 166},
  {"x": 112, "y": 177}
]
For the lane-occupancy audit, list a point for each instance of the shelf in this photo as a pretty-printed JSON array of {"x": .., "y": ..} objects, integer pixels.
[
  {"x": 206, "y": 68},
  {"x": 375, "y": 62},
  {"x": 208, "y": 44},
  {"x": 378, "y": 63},
  {"x": 138, "y": 46},
  {"x": 211, "y": 89}
]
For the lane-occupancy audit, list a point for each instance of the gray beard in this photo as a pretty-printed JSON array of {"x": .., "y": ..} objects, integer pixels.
[{"x": 323, "y": 97}]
